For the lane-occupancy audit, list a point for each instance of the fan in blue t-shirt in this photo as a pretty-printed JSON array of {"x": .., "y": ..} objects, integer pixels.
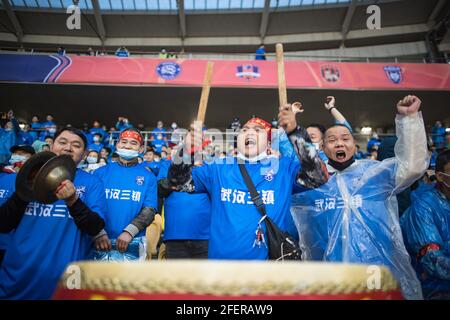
[
  {"x": 47, "y": 237},
  {"x": 234, "y": 218},
  {"x": 131, "y": 198}
]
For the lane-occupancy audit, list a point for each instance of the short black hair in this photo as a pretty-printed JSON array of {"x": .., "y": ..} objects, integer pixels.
[
  {"x": 442, "y": 159},
  {"x": 50, "y": 137},
  {"x": 92, "y": 150},
  {"x": 108, "y": 149},
  {"x": 318, "y": 126},
  {"x": 75, "y": 131},
  {"x": 340, "y": 125}
]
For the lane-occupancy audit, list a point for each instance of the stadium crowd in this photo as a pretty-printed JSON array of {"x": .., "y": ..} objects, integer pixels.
[{"x": 137, "y": 197}]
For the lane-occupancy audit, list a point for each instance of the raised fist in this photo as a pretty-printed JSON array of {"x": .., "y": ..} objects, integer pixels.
[
  {"x": 329, "y": 102},
  {"x": 409, "y": 105},
  {"x": 286, "y": 118},
  {"x": 66, "y": 191}
]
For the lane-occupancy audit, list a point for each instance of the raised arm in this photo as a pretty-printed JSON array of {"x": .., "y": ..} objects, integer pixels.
[
  {"x": 338, "y": 117},
  {"x": 313, "y": 172},
  {"x": 411, "y": 147},
  {"x": 184, "y": 170}
]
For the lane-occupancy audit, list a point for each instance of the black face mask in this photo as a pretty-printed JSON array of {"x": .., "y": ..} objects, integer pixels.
[{"x": 339, "y": 166}]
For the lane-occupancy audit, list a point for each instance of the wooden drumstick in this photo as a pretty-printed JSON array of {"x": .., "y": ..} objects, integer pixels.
[
  {"x": 205, "y": 92},
  {"x": 282, "y": 94}
]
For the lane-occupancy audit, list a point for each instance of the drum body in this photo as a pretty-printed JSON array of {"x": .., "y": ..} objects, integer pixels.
[{"x": 190, "y": 280}]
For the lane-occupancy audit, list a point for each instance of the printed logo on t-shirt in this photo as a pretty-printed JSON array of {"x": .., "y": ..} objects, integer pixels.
[
  {"x": 139, "y": 180},
  {"x": 242, "y": 197},
  {"x": 4, "y": 193},
  {"x": 118, "y": 194},
  {"x": 47, "y": 210},
  {"x": 269, "y": 175},
  {"x": 81, "y": 190}
]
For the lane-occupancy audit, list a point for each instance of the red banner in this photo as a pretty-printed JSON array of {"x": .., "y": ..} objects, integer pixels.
[{"x": 229, "y": 73}]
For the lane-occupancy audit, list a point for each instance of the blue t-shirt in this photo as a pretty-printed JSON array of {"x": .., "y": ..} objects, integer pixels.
[
  {"x": 95, "y": 147},
  {"x": 127, "y": 191},
  {"x": 373, "y": 143},
  {"x": 234, "y": 217},
  {"x": 27, "y": 138},
  {"x": 93, "y": 131},
  {"x": 186, "y": 216},
  {"x": 153, "y": 166},
  {"x": 158, "y": 144},
  {"x": 35, "y": 127},
  {"x": 7, "y": 187},
  {"x": 46, "y": 241},
  {"x": 122, "y": 54},
  {"x": 157, "y": 130}
]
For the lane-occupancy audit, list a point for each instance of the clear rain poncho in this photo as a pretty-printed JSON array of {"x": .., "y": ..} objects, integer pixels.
[
  {"x": 353, "y": 218},
  {"x": 425, "y": 223},
  {"x": 137, "y": 251}
]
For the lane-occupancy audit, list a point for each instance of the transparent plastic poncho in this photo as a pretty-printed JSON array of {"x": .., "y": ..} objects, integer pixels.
[
  {"x": 427, "y": 222},
  {"x": 353, "y": 218},
  {"x": 137, "y": 249}
]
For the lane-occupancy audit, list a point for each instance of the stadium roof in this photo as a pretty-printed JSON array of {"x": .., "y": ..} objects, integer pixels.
[
  {"x": 172, "y": 5},
  {"x": 224, "y": 26}
]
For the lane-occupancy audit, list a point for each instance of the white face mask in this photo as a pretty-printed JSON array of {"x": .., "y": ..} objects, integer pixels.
[
  {"x": 127, "y": 154},
  {"x": 174, "y": 125},
  {"x": 15, "y": 158},
  {"x": 317, "y": 145},
  {"x": 259, "y": 157},
  {"x": 91, "y": 160}
]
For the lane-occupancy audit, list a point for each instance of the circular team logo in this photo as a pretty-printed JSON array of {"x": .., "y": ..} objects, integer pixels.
[
  {"x": 330, "y": 73},
  {"x": 168, "y": 70},
  {"x": 139, "y": 180},
  {"x": 269, "y": 175}
]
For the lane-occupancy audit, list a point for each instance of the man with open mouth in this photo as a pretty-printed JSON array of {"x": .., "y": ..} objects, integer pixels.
[
  {"x": 354, "y": 217},
  {"x": 234, "y": 217}
]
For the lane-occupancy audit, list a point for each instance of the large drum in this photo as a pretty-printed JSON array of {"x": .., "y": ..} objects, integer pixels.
[{"x": 188, "y": 280}]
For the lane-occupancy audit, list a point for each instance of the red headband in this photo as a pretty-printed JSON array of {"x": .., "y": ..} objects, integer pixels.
[
  {"x": 267, "y": 126},
  {"x": 131, "y": 134}
]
